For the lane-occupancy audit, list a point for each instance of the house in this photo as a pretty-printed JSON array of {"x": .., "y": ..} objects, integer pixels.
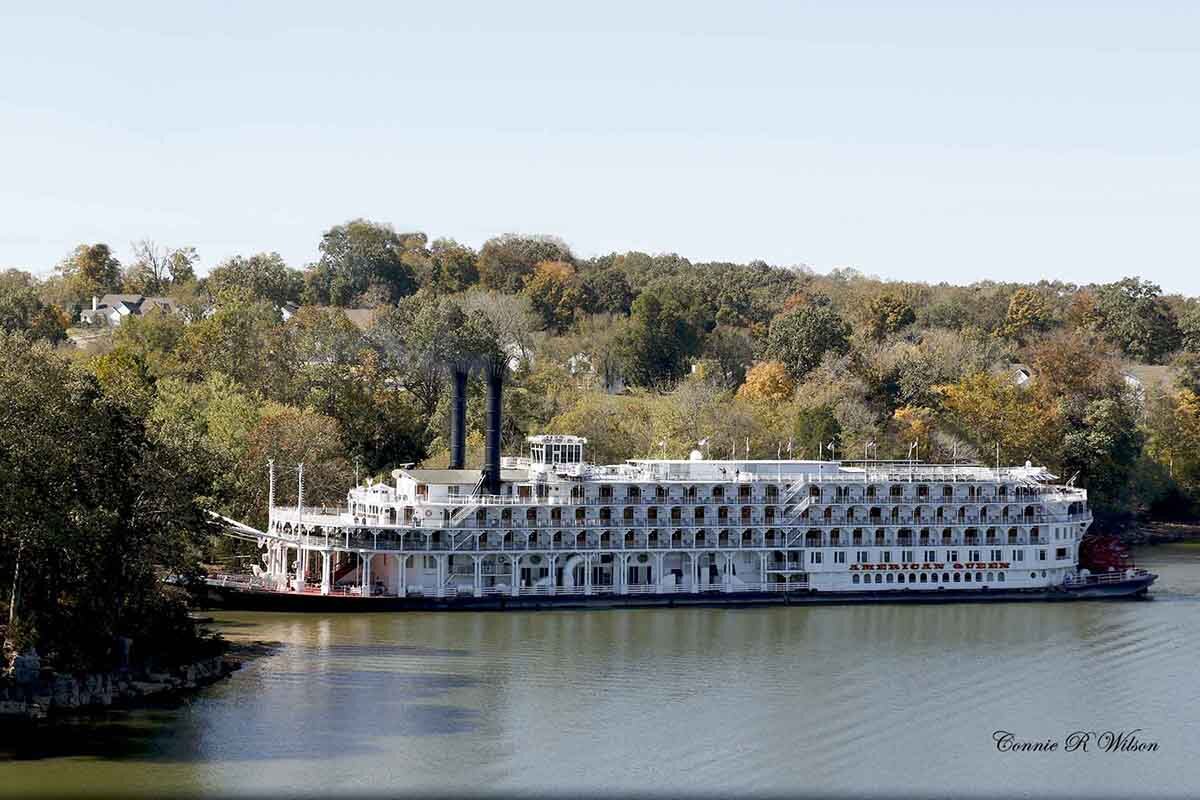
[{"x": 113, "y": 309}]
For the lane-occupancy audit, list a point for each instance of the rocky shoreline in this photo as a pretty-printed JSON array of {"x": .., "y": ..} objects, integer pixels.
[{"x": 32, "y": 693}]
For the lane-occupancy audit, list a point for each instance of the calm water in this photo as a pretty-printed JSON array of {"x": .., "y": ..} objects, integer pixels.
[{"x": 874, "y": 699}]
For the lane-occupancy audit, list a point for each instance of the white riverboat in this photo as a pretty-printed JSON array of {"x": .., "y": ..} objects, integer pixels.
[{"x": 550, "y": 528}]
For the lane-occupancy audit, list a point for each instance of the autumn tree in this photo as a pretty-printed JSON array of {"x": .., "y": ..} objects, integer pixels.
[
  {"x": 885, "y": 314},
  {"x": 767, "y": 382},
  {"x": 90, "y": 270},
  {"x": 507, "y": 262},
  {"x": 1028, "y": 314},
  {"x": 555, "y": 294}
]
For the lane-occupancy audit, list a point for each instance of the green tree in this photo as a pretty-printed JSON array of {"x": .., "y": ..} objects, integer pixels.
[
  {"x": 94, "y": 511},
  {"x": 1105, "y": 451},
  {"x": 1133, "y": 316},
  {"x": 815, "y": 428},
  {"x": 263, "y": 276},
  {"x": 658, "y": 341},
  {"x": 363, "y": 261},
  {"x": 22, "y": 310},
  {"x": 800, "y": 338},
  {"x": 453, "y": 266}
]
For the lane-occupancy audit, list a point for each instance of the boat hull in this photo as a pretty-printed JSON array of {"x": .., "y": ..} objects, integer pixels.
[{"x": 241, "y": 599}]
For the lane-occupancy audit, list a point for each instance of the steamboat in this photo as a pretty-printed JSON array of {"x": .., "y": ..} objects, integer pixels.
[{"x": 550, "y": 529}]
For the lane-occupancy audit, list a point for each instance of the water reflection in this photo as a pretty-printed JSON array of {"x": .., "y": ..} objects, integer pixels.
[{"x": 842, "y": 700}]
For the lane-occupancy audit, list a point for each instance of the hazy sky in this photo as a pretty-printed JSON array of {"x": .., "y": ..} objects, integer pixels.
[{"x": 956, "y": 141}]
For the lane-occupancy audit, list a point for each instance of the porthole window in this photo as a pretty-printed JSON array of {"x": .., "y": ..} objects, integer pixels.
[
  {"x": 1043, "y": 573},
  {"x": 1033, "y": 574}
]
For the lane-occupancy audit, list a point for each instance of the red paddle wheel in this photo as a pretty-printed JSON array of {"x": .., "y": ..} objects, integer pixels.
[{"x": 1100, "y": 553}]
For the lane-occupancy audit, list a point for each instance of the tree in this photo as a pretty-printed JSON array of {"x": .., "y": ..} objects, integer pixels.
[
  {"x": 361, "y": 259},
  {"x": 507, "y": 262},
  {"x": 800, "y": 338},
  {"x": 887, "y": 313},
  {"x": 814, "y": 429},
  {"x": 607, "y": 292},
  {"x": 731, "y": 352},
  {"x": 21, "y": 310},
  {"x": 1134, "y": 318},
  {"x": 155, "y": 270},
  {"x": 914, "y": 424},
  {"x": 657, "y": 342},
  {"x": 90, "y": 270},
  {"x": 238, "y": 339},
  {"x": 1105, "y": 451},
  {"x": 1189, "y": 326},
  {"x": 263, "y": 276},
  {"x": 554, "y": 293},
  {"x": 1028, "y": 313},
  {"x": 768, "y": 382},
  {"x": 95, "y": 511},
  {"x": 453, "y": 266},
  {"x": 989, "y": 410}
]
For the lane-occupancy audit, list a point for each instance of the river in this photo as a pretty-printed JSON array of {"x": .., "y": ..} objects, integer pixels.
[{"x": 891, "y": 700}]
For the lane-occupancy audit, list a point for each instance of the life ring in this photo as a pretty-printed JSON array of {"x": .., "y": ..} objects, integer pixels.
[{"x": 428, "y": 513}]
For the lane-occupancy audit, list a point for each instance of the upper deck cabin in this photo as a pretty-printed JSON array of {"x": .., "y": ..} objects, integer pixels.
[{"x": 555, "y": 472}]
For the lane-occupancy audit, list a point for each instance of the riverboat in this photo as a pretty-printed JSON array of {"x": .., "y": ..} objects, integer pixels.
[{"x": 549, "y": 528}]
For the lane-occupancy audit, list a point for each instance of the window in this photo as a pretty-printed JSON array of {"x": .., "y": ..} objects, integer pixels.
[
  {"x": 862, "y": 557},
  {"x": 430, "y": 562},
  {"x": 839, "y": 557},
  {"x": 925, "y": 578},
  {"x": 906, "y": 557},
  {"x": 979, "y": 577},
  {"x": 973, "y": 555},
  {"x": 891, "y": 578},
  {"x": 854, "y": 578},
  {"x": 966, "y": 577},
  {"x": 814, "y": 557},
  {"x": 931, "y": 555},
  {"x": 1018, "y": 555},
  {"x": 1000, "y": 577},
  {"x": 958, "y": 577},
  {"x": 900, "y": 578},
  {"x": 1041, "y": 555},
  {"x": 885, "y": 557},
  {"x": 1060, "y": 553},
  {"x": 1033, "y": 574},
  {"x": 952, "y": 555},
  {"x": 933, "y": 577},
  {"x": 997, "y": 555},
  {"x": 878, "y": 578}
]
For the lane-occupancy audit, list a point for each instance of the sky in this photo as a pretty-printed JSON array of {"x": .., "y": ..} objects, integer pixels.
[{"x": 936, "y": 142}]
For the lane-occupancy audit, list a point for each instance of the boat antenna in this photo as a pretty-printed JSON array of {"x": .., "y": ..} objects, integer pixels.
[{"x": 270, "y": 484}]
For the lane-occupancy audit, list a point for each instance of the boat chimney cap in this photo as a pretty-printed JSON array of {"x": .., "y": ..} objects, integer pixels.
[{"x": 696, "y": 455}]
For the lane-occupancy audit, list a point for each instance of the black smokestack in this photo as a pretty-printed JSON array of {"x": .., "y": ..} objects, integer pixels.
[
  {"x": 458, "y": 419},
  {"x": 491, "y": 457}
]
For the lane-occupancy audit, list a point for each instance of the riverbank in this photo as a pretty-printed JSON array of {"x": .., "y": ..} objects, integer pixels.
[
  {"x": 1154, "y": 533},
  {"x": 31, "y": 692}
]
